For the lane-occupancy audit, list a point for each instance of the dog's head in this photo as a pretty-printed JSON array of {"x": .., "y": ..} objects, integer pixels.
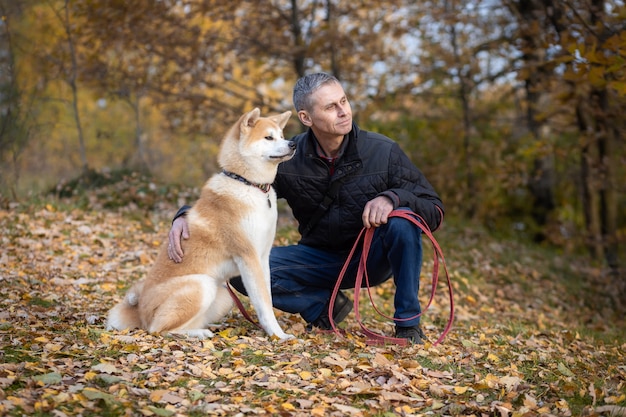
[{"x": 256, "y": 145}]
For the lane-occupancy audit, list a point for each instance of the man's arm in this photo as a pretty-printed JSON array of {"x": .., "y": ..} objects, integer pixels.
[{"x": 413, "y": 190}]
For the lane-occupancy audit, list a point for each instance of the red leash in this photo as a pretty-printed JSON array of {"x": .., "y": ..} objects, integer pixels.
[
  {"x": 367, "y": 235},
  {"x": 240, "y": 306}
]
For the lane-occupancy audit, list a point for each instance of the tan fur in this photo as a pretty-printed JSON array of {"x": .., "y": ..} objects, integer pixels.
[{"x": 231, "y": 229}]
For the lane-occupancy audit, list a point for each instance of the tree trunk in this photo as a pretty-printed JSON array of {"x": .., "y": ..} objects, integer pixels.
[
  {"x": 588, "y": 175},
  {"x": 296, "y": 30},
  {"x": 140, "y": 146},
  {"x": 541, "y": 182},
  {"x": 606, "y": 138},
  {"x": 464, "y": 92},
  {"x": 72, "y": 82}
]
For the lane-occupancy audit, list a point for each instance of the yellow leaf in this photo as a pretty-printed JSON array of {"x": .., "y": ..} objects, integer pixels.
[
  {"x": 107, "y": 368},
  {"x": 62, "y": 397},
  {"x": 318, "y": 411},
  {"x": 90, "y": 375},
  {"x": 226, "y": 333},
  {"x": 53, "y": 347},
  {"x": 16, "y": 401},
  {"x": 306, "y": 375},
  {"x": 288, "y": 407},
  {"x": 225, "y": 371},
  {"x": 144, "y": 259},
  {"x": 562, "y": 405},
  {"x": 405, "y": 410},
  {"x": 460, "y": 390},
  {"x": 612, "y": 399},
  {"x": 530, "y": 402},
  {"x": 490, "y": 381},
  {"x": 510, "y": 382},
  {"x": 437, "y": 405},
  {"x": 42, "y": 339},
  {"x": 155, "y": 396}
]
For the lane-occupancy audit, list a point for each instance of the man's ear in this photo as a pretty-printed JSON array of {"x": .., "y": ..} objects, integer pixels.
[{"x": 304, "y": 117}]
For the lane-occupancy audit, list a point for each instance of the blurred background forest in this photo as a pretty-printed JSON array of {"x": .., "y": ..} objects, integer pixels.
[{"x": 514, "y": 109}]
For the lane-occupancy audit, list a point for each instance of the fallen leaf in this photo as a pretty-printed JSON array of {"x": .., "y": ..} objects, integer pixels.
[
  {"x": 48, "y": 379},
  {"x": 106, "y": 368}
]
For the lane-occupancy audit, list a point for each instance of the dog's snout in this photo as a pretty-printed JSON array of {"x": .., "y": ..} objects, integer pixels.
[{"x": 292, "y": 145}]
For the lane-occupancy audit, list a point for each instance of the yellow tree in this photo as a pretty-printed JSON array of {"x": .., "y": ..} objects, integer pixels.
[
  {"x": 14, "y": 110},
  {"x": 202, "y": 62},
  {"x": 573, "y": 69}
]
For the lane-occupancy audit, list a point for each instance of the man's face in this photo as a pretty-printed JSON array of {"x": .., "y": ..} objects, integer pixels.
[{"x": 330, "y": 113}]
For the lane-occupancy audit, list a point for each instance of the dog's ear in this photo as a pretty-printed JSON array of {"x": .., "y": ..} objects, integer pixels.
[
  {"x": 281, "y": 119},
  {"x": 250, "y": 118}
]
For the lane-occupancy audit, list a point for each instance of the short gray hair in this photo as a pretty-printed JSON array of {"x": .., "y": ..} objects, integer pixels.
[{"x": 306, "y": 85}]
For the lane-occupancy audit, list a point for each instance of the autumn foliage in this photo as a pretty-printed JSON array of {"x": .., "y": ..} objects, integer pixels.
[
  {"x": 531, "y": 336},
  {"x": 514, "y": 109}
]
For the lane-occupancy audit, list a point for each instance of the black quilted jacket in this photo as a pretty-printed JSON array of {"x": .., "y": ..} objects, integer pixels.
[{"x": 375, "y": 165}]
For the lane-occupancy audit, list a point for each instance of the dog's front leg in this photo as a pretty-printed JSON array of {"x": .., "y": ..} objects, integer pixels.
[{"x": 256, "y": 280}]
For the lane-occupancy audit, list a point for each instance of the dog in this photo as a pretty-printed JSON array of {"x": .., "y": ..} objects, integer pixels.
[{"x": 231, "y": 231}]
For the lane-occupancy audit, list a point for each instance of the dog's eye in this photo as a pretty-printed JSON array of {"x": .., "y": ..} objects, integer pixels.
[{"x": 269, "y": 137}]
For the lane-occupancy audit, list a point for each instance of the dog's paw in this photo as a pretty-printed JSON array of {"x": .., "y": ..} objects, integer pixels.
[
  {"x": 197, "y": 333},
  {"x": 283, "y": 337}
]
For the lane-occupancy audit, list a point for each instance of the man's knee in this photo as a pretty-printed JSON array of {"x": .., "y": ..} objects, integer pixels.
[
  {"x": 403, "y": 228},
  {"x": 401, "y": 222}
]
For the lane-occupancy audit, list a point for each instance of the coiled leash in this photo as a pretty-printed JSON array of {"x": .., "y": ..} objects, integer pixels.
[{"x": 367, "y": 235}]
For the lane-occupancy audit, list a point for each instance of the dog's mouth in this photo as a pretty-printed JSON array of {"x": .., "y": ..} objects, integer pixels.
[{"x": 283, "y": 156}]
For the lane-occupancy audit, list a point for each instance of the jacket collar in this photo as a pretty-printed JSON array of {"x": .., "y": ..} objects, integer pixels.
[{"x": 347, "y": 147}]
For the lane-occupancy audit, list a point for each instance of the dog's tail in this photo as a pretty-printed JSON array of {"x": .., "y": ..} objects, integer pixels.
[
  {"x": 132, "y": 298},
  {"x": 125, "y": 315}
]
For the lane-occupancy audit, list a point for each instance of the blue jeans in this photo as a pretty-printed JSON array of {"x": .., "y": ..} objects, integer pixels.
[{"x": 304, "y": 277}]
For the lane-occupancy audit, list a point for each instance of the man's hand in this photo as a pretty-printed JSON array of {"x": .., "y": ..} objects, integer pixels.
[
  {"x": 179, "y": 230},
  {"x": 376, "y": 212}
]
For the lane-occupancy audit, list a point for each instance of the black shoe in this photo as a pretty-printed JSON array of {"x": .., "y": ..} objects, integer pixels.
[
  {"x": 237, "y": 283},
  {"x": 413, "y": 334},
  {"x": 341, "y": 309}
]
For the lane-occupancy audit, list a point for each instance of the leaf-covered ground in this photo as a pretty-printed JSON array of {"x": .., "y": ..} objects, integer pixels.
[{"x": 534, "y": 334}]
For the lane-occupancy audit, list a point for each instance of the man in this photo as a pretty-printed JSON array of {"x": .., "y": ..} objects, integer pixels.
[{"x": 360, "y": 177}]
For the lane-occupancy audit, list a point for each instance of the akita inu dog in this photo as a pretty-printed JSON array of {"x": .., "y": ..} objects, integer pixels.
[{"x": 231, "y": 228}]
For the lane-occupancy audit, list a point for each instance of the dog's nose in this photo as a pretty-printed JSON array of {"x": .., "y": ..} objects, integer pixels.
[{"x": 292, "y": 145}]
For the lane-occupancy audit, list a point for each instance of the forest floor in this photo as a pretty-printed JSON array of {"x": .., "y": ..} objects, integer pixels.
[{"x": 534, "y": 332}]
